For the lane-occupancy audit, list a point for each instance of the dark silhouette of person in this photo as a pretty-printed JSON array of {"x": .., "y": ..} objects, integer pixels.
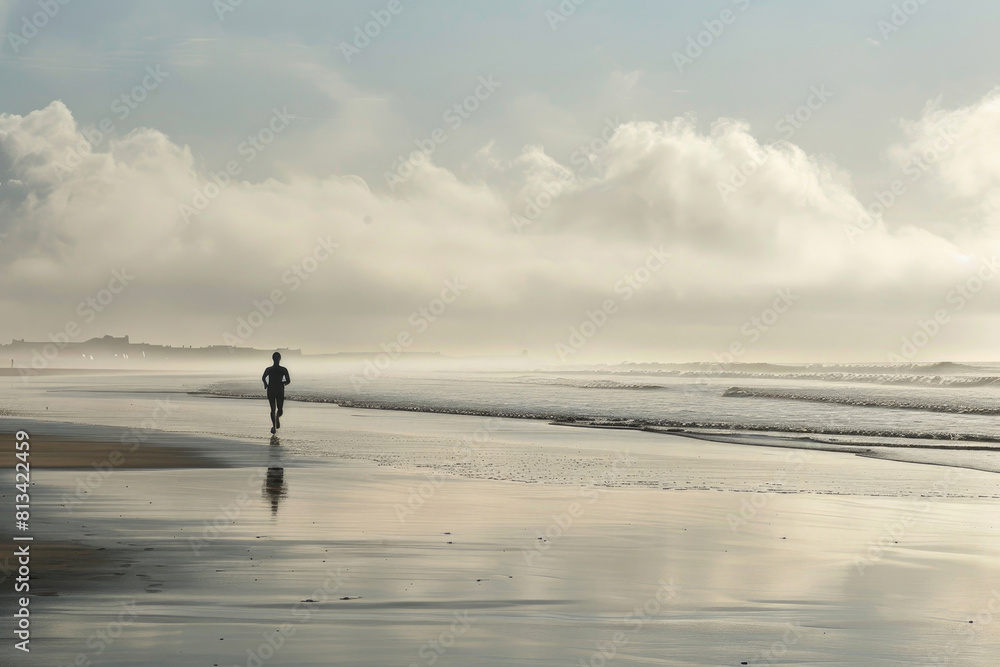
[{"x": 275, "y": 378}]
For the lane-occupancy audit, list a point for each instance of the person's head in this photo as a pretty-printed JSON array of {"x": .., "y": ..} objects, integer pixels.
[{"x": 276, "y": 356}]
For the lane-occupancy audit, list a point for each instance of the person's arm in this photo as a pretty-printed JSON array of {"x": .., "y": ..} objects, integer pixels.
[
  {"x": 263, "y": 378},
  {"x": 288, "y": 378}
]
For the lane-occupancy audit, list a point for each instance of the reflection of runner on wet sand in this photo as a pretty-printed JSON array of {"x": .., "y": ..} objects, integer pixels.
[
  {"x": 274, "y": 488},
  {"x": 274, "y": 484},
  {"x": 275, "y": 378}
]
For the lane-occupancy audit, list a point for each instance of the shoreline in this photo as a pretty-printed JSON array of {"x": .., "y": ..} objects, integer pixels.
[
  {"x": 902, "y": 452},
  {"x": 680, "y": 427},
  {"x": 236, "y": 450}
]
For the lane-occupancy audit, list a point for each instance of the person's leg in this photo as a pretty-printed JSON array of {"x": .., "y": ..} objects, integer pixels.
[
  {"x": 280, "y": 403},
  {"x": 271, "y": 401}
]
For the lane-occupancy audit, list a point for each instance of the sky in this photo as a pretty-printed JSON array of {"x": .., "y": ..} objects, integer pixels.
[{"x": 590, "y": 181}]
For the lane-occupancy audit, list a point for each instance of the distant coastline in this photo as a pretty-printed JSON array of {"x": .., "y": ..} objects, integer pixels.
[{"x": 120, "y": 353}]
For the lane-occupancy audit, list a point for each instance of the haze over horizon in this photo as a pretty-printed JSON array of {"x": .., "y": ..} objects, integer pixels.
[
  {"x": 166, "y": 168},
  {"x": 512, "y": 361}
]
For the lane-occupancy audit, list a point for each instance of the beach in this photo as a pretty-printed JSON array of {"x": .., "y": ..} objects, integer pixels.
[
  {"x": 415, "y": 542},
  {"x": 499, "y": 334}
]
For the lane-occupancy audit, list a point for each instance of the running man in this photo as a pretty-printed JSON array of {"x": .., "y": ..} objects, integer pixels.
[{"x": 275, "y": 378}]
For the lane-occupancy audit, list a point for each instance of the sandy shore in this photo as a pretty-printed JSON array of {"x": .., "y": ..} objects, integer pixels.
[{"x": 276, "y": 559}]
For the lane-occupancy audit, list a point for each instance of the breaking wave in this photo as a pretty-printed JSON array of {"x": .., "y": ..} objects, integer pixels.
[
  {"x": 587, "y": 384},
  {"x": 862, "y": 401},
  {"x": 942, "y": 374},
  {"x": 935, "y": 368}
]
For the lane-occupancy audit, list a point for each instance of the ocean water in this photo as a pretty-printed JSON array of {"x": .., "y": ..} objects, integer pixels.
[
  {"x": 940, "y": 414},
  {"x": 948, "y": 404}
]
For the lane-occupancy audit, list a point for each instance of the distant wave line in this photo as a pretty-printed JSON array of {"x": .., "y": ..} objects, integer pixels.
[
  {"x": 859, "y": 401},
  {"x": 950, "y": 381}
]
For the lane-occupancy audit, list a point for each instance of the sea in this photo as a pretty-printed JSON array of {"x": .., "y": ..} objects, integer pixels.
[
  {"x": 950, "y": 402},
  {"x": 937, "y": 413}
]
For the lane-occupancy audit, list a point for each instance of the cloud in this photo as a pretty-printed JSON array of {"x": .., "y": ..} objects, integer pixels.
[
  {"x": 961, "y": 146},
  {"x": 656, "y": 184}
]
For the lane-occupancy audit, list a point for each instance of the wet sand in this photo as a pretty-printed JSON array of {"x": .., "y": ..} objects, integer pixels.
[
  {"x": 58, "y": 565},
  {"x": 59, "y": 453},
  {"x": 283, "y": 560}
]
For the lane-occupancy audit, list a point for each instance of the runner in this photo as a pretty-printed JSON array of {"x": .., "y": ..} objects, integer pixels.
[{"x": 275, "y": 378}]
